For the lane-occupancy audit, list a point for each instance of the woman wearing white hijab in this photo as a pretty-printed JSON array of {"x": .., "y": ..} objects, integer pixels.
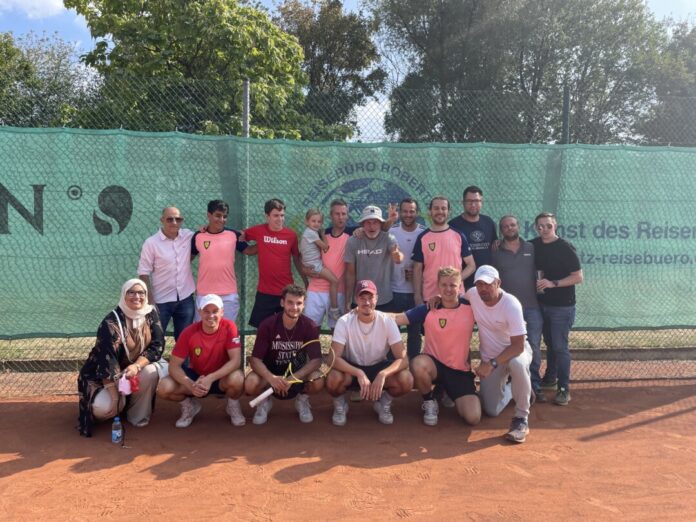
[{"x": 129, "y": 339}]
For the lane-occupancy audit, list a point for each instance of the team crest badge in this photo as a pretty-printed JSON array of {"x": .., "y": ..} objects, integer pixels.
[
  {"x": 197, "y": 350},
  {"x": 443, "y": 323},
  {"x": 431, "y": 246},
  {"x": 206, "y": 244}
]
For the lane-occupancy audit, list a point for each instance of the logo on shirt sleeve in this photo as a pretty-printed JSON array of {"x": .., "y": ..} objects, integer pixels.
[
  {"x": 443, "y": 323},
  {"x": 197, "y": 351}
]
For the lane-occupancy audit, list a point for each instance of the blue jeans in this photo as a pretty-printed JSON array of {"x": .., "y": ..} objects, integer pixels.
[
  {"x": 401, "y": 303},
  {"x": 181, "y": 311},
  {"x": 535, "y": 324},
  {"x": 558, "y": 320}
]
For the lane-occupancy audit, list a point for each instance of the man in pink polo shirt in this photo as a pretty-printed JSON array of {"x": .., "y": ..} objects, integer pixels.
[
  {"x": 337, "y": 235},
  {"x": 276, "y": 245},
  {"x": 445, "y": 359},
  {"x": 215, "y": 248},
  {"x": 440, "y": 245}
]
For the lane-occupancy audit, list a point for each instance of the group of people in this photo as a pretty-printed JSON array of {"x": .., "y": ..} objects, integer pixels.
[{"x": 366, "y": 281}]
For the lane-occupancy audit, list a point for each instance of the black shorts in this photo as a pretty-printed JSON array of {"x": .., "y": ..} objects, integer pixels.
[
  {"x": 295, "y": 388},
  {"x": 457, "y": 383},
  {"x": 191, "y": 374},
  {"x": 370, "y": 371},
  {"x": 265, "y": 305}
]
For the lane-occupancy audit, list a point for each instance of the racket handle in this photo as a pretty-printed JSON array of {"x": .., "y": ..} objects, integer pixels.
[{"x": 261, "y": 397}]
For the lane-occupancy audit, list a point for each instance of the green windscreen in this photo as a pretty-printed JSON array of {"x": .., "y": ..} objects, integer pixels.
[{"x": 76, "y": 206}]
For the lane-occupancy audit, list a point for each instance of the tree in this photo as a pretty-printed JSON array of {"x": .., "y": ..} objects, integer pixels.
[
  {"x": 521, "y": 54},
  {"x": 456, "y": 51},
  {"x": 339, "y": 58},
  {"x": 671, "y": 119},
  {"x": 61, "y": 86},
  {"x": 181, "y": 64},
  {"x": 16, "y": 75}
]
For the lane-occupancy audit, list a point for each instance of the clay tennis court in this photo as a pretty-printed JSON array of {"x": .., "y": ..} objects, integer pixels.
[{"x": 616, "y": 452}]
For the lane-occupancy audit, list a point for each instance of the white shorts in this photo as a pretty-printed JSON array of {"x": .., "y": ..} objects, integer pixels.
[
  {"x": 317, "y": 306},
  {"x": 230, "y": 303}
]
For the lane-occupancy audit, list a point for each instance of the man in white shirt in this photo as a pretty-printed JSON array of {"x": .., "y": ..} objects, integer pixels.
[
  {"x": 406, "y": 233},
  {"x": 505, "y": 352},
  {"x": 165, "y": 266},
  {"x": 362, "y": 341}
]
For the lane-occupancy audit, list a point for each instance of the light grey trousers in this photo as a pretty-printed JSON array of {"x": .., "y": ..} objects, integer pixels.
[
  {"x": 496, "y": 392},
  {"x": 140, "y": 408}
]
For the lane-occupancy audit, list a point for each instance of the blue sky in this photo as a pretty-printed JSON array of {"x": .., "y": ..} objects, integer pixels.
[{"x": 22, "y": 16}]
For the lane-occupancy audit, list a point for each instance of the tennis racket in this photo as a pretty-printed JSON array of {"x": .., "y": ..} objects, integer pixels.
[{"x": 299, "y": 359}]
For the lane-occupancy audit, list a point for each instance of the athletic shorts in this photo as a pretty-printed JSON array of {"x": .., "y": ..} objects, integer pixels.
[
  {"x": 265, "y": 305},
  {"x": 370, "y": 371},
  {"x": 191, "y": 374},
  {"x": 295, "y": 388},
  {"x": 457, "y": 383},
  {"x": 317, "y": 306}
]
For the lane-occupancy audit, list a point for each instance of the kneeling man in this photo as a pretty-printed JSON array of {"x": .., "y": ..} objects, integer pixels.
[
  {"x": 277, "y": 339},
  {"x": 362, "y": 342},
  {"x": 206, "y": 359},
  {"x": 445, "y": 359},
  {"x": 505, "y": 353}
]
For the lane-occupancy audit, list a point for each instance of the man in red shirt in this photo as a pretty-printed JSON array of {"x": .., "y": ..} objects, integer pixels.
[
  {"x": 206, "y": 359},
  {"x": 276, "y": 245},
  {"x": 277, "y": 340}
]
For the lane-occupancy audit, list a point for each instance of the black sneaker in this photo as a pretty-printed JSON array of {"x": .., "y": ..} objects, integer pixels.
[
  {"x": 519, "y": 429},
  {"x": 549, "y": 385},
  {"x": 562, "y": 397},
  {"x": 541, "y": 397}
]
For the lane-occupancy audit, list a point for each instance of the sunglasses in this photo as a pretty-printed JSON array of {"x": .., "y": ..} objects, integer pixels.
[
  {"x": 174, "y": 220},
  {"x": 543, "y": 226}
]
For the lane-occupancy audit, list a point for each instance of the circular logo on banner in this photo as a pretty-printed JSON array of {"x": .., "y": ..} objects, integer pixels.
[{"x": 366, "y": 183}]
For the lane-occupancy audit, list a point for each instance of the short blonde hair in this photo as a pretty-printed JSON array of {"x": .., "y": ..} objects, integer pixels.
[
  {"x": 448, "y": 271},
  {"x": 313, "y": 212}
]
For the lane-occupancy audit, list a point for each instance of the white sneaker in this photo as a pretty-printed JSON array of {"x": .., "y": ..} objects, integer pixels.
[
  {"x": 431, "y": 410},
  {"x": 262, "y": 409},
  {"x": 383, "y": 409},
  {"x": 340, "y": 413},
  {"x": 234, "y": 410},
  {"x": 304, "y": 408},
  {"x": 190, "y": 407},
  {"x": 334, "y": 314}
]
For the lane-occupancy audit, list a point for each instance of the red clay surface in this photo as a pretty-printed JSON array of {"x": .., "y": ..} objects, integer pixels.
[{"x": 613, "y": 453}]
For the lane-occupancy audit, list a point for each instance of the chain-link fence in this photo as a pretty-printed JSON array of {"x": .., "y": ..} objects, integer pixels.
[
  {"x": 75, "y": 169},
  {"x": 397, "y": 115}
]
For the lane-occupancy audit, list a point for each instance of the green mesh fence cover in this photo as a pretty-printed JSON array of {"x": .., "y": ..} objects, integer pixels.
[{"x": 75, "y": 207}]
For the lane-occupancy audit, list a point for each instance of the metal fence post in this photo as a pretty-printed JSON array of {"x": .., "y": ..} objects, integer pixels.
[
  {"x": 565, "y": 133},
  {"x": 245, "y": 108}
]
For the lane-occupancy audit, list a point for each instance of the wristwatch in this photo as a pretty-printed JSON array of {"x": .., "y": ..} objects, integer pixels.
[
  {"x": 555, "y": 283},
  {"x": 494, "y": 363}
]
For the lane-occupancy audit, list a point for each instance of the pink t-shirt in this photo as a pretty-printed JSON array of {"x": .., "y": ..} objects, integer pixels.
[
  {"x": 436, "y": 250},
  {"x": 275, "y": 250},
  {"x": 447, "y": 333},
  {"x": 216, "y": 262},
  {"x": 333, "y": 260}
]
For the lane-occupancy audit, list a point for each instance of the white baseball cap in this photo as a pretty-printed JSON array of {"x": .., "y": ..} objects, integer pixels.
[
  {"x": 210, "y": 299},
  {"x": 486, "y": 273}
]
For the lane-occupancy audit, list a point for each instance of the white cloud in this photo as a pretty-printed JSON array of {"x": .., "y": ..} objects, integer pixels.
[{"x": 34, "y": 9}]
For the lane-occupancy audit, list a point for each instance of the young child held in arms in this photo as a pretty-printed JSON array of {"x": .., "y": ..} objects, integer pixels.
[{"x": 311, "y": 246}]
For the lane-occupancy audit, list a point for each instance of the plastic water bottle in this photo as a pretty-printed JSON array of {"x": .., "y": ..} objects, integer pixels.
[{"x": 117, "y": 431}]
